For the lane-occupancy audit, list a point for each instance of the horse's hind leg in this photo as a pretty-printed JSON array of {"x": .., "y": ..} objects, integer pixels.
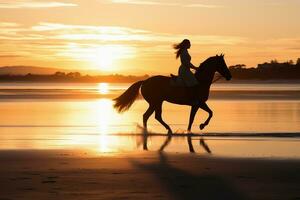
[
  {"x": 147, "y": 114},
  {"x": 158, "y": 111}
]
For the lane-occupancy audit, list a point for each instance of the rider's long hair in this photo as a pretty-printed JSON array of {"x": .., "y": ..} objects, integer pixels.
[{"x": 180, "y": 47}]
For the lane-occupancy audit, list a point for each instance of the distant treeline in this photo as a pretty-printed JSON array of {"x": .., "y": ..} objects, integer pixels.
[
  {"x": 71, "y": 77},
  {"x": 266, "y": 71}
]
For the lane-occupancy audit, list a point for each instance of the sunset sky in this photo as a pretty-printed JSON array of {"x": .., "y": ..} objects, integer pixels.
[{"x": 136, "y": 36}]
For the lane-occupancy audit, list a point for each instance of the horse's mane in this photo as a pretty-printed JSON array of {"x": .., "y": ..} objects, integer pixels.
[
  {"x": 207, "y": 61},
  {"x": 204, "y": 64}
]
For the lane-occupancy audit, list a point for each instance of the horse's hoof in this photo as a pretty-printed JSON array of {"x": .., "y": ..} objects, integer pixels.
[{"x": 202, "y": 126}]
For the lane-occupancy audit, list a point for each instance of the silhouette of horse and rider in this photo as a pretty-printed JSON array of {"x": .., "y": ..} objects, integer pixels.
[{"x": 185, "y": 89}]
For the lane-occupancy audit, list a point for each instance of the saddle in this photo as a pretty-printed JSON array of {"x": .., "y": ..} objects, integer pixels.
[{"x": 175, "y": 82}]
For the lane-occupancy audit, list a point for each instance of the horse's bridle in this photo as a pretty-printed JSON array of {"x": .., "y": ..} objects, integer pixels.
[{"x": 218, "y": 78}]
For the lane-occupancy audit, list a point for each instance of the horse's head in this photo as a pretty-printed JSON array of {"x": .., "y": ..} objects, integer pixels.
[
  {"x": 221, "y": 67},
  {"x": 213, "y": 64}
]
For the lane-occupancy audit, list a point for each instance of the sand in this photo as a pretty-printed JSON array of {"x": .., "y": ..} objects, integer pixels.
[{"x": 61, "y": 174}]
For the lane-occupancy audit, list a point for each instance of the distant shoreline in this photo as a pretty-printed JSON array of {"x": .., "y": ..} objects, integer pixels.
[{"x": 234, "y": 81}]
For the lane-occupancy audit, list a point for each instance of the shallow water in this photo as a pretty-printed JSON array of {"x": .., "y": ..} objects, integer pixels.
[{"x": 33, "y": 119}]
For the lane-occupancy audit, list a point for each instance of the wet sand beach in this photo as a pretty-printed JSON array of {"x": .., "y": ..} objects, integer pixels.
[{"x": 61, "y": 174}]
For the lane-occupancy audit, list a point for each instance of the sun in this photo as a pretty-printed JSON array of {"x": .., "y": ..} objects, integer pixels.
[
  {"x": 102, "y": 57},
  {"x": 107, "y": 57}
]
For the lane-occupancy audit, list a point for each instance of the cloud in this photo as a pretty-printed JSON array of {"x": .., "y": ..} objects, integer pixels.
[
  {"x": 139, "y": 2},
  {"x": 10, "y": 56},
  {"x": 67, "y": 42},
  {"x": 8, "y": 24},
  {"x": 55, "y": 42},
  {"x": 123, "y": 34},
  {"x": 44, "y": 34},
  {"x": 162, "y": 3},
  {"x": 17, "y": 4},
  {"x": 44, "y": 26},
  {"x": 197, "y": 5}
]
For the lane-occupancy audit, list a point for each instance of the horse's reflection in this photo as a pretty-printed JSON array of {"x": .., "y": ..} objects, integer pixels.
[
  {"x": 166, "y": 143},
  {"x": 202, "y": 143}
]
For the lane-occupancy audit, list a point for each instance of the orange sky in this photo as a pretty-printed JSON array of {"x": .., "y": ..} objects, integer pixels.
[{"x": 136, "y": 36}]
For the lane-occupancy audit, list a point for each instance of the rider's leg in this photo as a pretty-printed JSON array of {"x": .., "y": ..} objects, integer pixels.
[{"x": 192, "y": 93}]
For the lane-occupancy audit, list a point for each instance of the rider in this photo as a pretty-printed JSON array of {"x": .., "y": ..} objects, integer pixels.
[{"x": 185, "y": 75}]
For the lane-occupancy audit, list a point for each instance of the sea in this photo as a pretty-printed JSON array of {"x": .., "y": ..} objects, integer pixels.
[{"x": 250, "y": 120}]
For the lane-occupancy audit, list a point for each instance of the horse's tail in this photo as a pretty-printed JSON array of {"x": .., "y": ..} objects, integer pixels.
[{"x": 125, "y": 100}]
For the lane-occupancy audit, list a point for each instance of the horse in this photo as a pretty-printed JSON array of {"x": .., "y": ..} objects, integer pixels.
[{"x": 158, "y": 89}]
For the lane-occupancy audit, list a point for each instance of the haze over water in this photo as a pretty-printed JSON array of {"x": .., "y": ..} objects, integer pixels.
[{"x": 54, "y": 116}]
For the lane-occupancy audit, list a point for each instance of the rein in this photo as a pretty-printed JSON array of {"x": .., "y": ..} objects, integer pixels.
[{"x": 218, "y": 78}]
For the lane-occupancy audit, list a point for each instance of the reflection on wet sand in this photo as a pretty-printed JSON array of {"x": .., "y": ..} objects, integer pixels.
[
  {"x": 225, "y": 145},
  {"x": 202, "y": 143}
]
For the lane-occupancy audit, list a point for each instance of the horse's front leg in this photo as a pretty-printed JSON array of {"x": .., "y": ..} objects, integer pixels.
[
  {"x": 194, "y": 110},
  {"x": 205, "y": 107}
]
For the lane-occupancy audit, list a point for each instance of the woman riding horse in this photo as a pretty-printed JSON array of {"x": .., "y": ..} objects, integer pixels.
[
  {"x": 158, "y": 89},
  {"x": 185, "y": 76}
]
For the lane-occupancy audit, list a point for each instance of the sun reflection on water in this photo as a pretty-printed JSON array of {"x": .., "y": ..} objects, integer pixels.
[
  {"x": 103, "y": 88},
  {"x": 101, "y": 125},
  {"x": 105, "y": 117}
]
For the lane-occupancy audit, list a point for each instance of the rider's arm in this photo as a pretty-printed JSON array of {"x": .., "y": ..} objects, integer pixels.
[
  {"x": 185, "y": 60},
  {"x": 193, "y": 66}
]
